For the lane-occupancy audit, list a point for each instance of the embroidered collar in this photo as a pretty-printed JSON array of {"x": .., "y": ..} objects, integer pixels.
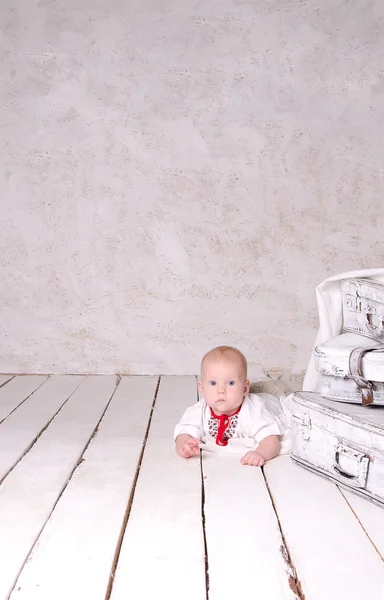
[{"x": 224, "y": 421}]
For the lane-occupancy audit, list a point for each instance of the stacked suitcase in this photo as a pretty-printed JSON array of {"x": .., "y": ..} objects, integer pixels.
[{"x": 339, "y": 432}]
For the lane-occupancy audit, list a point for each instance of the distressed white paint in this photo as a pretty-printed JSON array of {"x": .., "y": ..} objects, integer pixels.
[
  {"x": 332, "y": 555},
  {"x": 162, "y": 554},
  {"x": 342, "y": 441},
  {"x": 178, "y": 175},
  {"x": 75, "y": 562},
  {"x": 4, "y": 379},
  {"x": 324, "y": 537},
  {"x": 363, "y": 307},
  {"x": 246, "y": 554},
  {"x": 371, "y": 517},
  {"x": 333, "y": 361},
  {"x": 346, "y": 390},
  {"x": 32, "y": 417},
  {"x": 16, "y": 391},
  {"x": 31, "y": 490},
  {"x": 332, "y": 357}
]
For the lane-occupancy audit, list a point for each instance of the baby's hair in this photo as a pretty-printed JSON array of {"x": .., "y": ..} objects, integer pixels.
[{"x": 225, "y": 351}]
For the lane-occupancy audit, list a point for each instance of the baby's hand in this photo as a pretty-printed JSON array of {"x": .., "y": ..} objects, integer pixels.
[
  {"x": 253, "y": 459},
  {"x": 187, "y": 446}
]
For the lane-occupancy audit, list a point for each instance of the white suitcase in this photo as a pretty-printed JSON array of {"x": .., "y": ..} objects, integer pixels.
[
  {"x": 352, "y": 369},
  {"x": 363, "y": 307},
  {"x": 342, "y": 442}
]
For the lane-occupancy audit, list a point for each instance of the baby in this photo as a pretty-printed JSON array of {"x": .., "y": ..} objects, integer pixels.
[{"x": 227, "y": 415}]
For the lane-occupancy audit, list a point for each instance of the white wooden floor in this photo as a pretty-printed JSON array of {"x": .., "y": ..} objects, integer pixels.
[{"x": 95, "y": 504}]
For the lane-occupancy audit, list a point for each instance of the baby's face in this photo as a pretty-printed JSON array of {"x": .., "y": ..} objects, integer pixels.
[{"x": 223, "y": 384}]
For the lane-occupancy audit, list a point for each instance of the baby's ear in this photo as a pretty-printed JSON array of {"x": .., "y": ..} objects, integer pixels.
[
  {"x": 200, "y": 386},
  {"x": 246, "y": 387}
]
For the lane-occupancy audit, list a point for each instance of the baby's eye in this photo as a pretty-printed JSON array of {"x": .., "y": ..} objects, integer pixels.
[
  {"x": 212, "y": 383},
  {"x": 231, "y": 382}
]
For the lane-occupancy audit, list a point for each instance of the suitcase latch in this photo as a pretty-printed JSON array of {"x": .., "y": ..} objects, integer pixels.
[
  {"x": 353, "y": 303},
  {"x": 304, "y": 425}
]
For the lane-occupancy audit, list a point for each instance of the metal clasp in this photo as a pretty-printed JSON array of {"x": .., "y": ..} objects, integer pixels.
[
  {"x": 353, "y": 303},
  {"x": 303, "y": 425},
  {"x": 356, "y": 462},
  {"x": 370, "y": 322}
]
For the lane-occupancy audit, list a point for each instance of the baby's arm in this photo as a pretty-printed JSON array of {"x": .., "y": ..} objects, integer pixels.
[
  {"x": 188, "y": 432},
  {"x": 268, "y": 448},
  {"x": 266, "y": 429}
]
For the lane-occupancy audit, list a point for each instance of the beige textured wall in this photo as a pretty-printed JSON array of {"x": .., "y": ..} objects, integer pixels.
[{"x": 179, "y": 174}]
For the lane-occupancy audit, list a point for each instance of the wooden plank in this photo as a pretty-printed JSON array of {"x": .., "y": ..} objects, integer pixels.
[
  {"x": 162, "y": 554},
  {"x": 75, "y": 562},
  {"x": 16, "y": 391},
  {"x": 20, "y": 430},
  {"x": 5, "y": 379},
  {"x": 246, "y": 554},
  {"x": 29, "y": 493},
  {"x": 330, "y": 551},
  {"x": 371, "y": 518}
]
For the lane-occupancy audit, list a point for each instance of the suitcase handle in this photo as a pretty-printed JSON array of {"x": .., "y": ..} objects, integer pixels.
[
  {"x": 376, "y": 329},
  {"x": 358, "y": 479}
]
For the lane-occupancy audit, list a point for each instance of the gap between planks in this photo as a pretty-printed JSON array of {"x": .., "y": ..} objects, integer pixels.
[
  {"x": 131, "y": 498},
  {"x": 159, "y": 523},
  {"x": 4, "y": 379},
  {"x": 294, "y": 582},
  {"x": 64, "y": 488},
  {"x": 325, "y": 540},
  {"x": 15, "y": 407},
  {"x": 41, "y": 431},
  {"x": 206, "y": 558},
  {"x": 361, "y": 524}
]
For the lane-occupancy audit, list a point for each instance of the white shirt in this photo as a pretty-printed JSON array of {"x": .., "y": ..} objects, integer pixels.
[{"x": 254, "y": 423}]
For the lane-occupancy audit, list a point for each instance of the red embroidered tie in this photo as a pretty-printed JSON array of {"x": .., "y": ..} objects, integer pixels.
[{"x": 223, "y": 424}]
